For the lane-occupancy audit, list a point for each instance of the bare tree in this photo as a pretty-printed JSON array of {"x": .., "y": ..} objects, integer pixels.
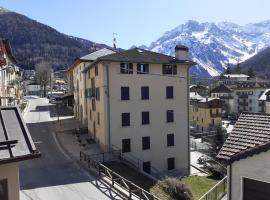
[{"x": 43, "y": 74}]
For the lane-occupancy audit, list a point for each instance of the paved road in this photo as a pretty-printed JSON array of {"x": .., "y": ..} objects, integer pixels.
[{"x": 54, "y": 176}]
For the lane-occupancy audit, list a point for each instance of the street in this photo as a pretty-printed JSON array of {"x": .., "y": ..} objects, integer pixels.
[{"x": 54, "y": 176}]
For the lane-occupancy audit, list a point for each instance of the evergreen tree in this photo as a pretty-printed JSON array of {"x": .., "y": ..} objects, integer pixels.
[
  {"x": 251, "y": 73},
  {"x": 238, "y": 68},
  {"x": 218, "y": 140},
  {"x": 228, "y": 71}
]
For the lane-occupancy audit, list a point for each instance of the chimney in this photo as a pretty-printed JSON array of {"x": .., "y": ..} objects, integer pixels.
[{"x": 181, "y": 52}]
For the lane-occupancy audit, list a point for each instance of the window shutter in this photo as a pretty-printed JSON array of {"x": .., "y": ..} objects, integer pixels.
[
  {"x": 174, "y": 69},
  {"x": 130, "y": 68}
]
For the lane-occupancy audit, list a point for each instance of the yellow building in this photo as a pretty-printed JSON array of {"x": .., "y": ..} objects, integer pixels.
[
  {"x": 137, "y": 101},
  {"x": 206, "y": 113}
]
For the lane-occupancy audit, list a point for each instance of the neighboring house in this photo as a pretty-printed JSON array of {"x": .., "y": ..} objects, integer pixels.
[
  {"x": 16, "y": 145},
  {"x": 137, "y": 101},
  {"x": 33, "y": 89},
  {"x": 246, "y": 153},
  {"x": 231, "y": 79},
  {"x": 10, "y": 76},
  {"x": 199, "y": 89},
  {"x": 264, "y": 101},
  {"x": 206, "y": 113},
  {"x": 225, "y": 94},
  {"x": 77, "y": 82},
  {"x": 246, "y": 96}
]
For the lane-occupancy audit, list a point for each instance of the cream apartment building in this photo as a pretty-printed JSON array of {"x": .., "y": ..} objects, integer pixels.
[
  {"x": 78, "y": 79},
  {"x": 137, "y": 101}
]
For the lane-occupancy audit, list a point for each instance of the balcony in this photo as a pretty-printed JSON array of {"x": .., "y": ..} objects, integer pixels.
[
  {"x": 243, "y": 103},
  {"x": 215, "y": 115},
  {"x": 242, "y": 96}
]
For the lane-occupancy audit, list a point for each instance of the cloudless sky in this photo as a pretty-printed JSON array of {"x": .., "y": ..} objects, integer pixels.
[{"x": 136, "y": 22}]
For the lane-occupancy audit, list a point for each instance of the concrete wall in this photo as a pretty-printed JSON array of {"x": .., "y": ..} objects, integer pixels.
[
  {"x": 11, "y": 172},
  {"x": 254, "y": 167}
]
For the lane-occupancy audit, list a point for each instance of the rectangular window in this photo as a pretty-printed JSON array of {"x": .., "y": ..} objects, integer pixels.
[
  {"x": 147, "y": 167},
  {"x": 89, "y": 74},
  {"x": 126, "y": 146},
  {"x": 171, "y": 163},
  {"x": 145, "y": 118},
  {"x": 124, "y": 93},
  {"x": 4, "y": 189},
  {"x": 145, "y": 143},
  {"x": 169, "y": 69},
  {"x": 93, "y": 104},
  {"x": 145, "y": 93},
  {"x": 97, "y": 94},
  {"x": 170, "y": 139},
  {"x": 98, "y": 118},
  {"x": 126, "y": 68},
  {"x": 142, "y": 68},
  {"x": 170, "y": 116},
  {"x": 169, "y": 92},
  {"x": 96, "y": 70},
  {"x": 125, "y": 119}
]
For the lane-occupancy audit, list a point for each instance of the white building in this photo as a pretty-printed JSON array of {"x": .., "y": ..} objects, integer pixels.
[
  {"x": 33, "y": 89},
  {"x": 246, "y": 153},
  {"x": 137, "y": 101}
]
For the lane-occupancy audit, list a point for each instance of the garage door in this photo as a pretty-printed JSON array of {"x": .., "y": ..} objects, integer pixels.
[{"x": 254, "y": 189}]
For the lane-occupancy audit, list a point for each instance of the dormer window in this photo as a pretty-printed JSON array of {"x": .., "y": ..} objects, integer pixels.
[
  {"x": 126, "y": 68},
  {"x": 169, "y": 69},
  {"x": 142, "y": 68}
]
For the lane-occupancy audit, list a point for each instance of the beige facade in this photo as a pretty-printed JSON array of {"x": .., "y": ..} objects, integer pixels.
[
  {"x": 10, "y": 172},
  {"x": 254, "y": 167},
  {"x": 206, "y": 116},
  {"x": 104, "y": 113}
]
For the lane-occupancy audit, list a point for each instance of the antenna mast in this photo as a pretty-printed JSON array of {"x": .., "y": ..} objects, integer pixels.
[{"x": 114, "y": 40}]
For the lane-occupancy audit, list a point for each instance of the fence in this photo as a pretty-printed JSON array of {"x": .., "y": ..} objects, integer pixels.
[
  {"x": 132, "y": 191},
  {"x": 217, "y": 192}
]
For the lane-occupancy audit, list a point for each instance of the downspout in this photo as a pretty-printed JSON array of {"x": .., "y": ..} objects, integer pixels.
[
  {"x": 188, "y": 120},
  {"x": 108, "y": 106},
  {"x": 85, "y": 99},
  {"x": 230, "y": 182}
]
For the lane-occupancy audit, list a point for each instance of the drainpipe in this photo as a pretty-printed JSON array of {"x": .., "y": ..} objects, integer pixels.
[
  {"x": 230, "y": 182},
  {"x": 108, "y": 106},
  {"x": 188, "y": 120},
  {"x": 85, "y": 99}
]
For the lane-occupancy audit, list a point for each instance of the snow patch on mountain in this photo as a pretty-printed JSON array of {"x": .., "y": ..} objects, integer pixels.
[{"x": 215, "y": 46}]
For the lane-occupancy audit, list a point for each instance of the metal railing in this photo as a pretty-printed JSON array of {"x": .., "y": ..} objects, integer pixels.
[
  {"x": 132, "y": 191},
  {"x": 216, "y": 192}
]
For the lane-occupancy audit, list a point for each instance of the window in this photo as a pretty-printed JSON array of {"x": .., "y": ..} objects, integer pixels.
[
  {"x": 145, "y": 92},
  {"x": 125, "y": 119},
  {"x": 89, "y": 74},
  {"x": 145, "y": 143},
  {"x": 217, "y": 111},
  {"x": 250, "y": 108},
  {"x": 170, "y": 117},
  {"x": 250, "y": 101},
  {"x": 202, "y": 120},
  {"x": 169, "y": 92},
  {"x": 124, "y": 93},
  {"x": 97, "y": 94},
  {"x": 147, "y": 167},
  {"x": 90, "y": 114},
  {"x": 126, "y": 68},
  {"x": 142, "y": 68},
  {"x": 171, "y": 163},
  {"x": 213, "y": 122},
  {"x": 145, "y": 118},
  {"x": 93, "y": 104},
  {"x": 4, "y": 189},
  {"x": 169, "y": 69},
  {"x": 96, "y": 70},
  {"x": 170, "y": 139},
  {"x": 126, "y": 146},
  {"x": 98, "y": 118}
]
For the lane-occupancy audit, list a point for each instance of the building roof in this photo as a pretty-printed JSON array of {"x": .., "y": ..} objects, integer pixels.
[
  {"x": 263, "y": 96},
  {"x": 16, "y": 143},
  {"x": 235, "y": 75},
  {"x": 96, "y": 54},
  {"x": 195, "y": 95},
  {"x": 91, "y": 57},
  {"x": 250, "y": 135},
  {"x": 6, "y": 49},
  {"x": 252, "y": 85},
  {"x": 208, "y": 99},
  {"x": 221, "y": 89},
  {"x": 138, "y": 55}
]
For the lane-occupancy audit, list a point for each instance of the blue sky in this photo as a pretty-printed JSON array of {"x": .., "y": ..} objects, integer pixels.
[{"x": 136, "y": 22}]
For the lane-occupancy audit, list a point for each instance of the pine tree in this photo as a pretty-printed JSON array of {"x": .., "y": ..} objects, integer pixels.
[
  {"x": 228, "y": 71},
  {"x": 251, "y": 73}
]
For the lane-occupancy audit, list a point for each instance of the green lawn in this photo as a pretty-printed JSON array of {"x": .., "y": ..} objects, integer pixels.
[{"x": 198, "y": 185}]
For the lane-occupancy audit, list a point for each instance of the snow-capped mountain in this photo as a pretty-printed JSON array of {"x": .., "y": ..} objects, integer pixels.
[{"x": 215, "y": 46}]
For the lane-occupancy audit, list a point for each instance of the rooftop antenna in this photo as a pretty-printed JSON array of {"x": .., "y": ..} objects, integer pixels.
[{"x": 114, "y": 40}]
